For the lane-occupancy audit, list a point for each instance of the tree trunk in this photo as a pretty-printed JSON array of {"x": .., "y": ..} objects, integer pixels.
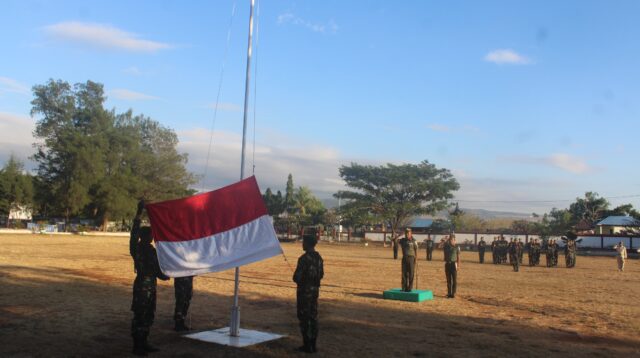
[{"x": 105, "y": 222}]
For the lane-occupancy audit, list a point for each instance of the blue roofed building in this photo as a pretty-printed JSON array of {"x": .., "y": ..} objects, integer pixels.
[
  {"x": 420, "y": 224},
  {"x": 618, "y": 225}
]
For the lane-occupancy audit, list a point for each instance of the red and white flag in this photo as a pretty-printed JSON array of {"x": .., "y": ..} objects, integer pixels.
[{"x": 213, "y": 231}]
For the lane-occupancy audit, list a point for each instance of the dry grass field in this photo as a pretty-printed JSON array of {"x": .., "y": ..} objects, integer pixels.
[{"x": 70, "y": 296}]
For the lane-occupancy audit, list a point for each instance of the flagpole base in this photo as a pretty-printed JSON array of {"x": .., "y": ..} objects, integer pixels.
[
  {"x": 234, "y": 325},
  {"x": 246, "y": 337}
]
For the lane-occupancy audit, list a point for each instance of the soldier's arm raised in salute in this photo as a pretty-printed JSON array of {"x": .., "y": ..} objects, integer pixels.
[{"x": 133, "y": 238}]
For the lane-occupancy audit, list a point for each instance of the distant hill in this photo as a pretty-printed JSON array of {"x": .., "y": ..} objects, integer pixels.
[{"x": 488, "y": 214}]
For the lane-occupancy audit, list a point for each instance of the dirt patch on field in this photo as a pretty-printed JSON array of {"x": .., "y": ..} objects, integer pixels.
[{"x": 70, "y": 296}]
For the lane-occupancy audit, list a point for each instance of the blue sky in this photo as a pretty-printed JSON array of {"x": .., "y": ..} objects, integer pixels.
[{"x": 524, "y": 101}]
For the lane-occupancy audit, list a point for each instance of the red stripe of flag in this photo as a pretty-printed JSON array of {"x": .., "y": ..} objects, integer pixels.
[{"x": 207, "y": 214}]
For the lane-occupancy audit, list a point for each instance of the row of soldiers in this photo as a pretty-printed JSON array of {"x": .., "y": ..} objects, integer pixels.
[{"x": 502, "y": 249}]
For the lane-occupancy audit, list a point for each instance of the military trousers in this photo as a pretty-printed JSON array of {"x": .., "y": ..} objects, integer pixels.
[
  {"x": 143, "y": 305},
  {"x": 429, "y": 254},
  {"x": 307, "y": 311},
  {"x": 451, "y": 271},
  {"x": 183, "y": 287},
  {"x": 408, "y": 272},
  {"x": 481, "y": 256}
]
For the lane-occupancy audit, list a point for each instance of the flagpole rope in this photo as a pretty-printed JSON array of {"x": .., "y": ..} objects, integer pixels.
[
  {"x": 255, "y": 89},
  {"x": 215, "y": 109}
]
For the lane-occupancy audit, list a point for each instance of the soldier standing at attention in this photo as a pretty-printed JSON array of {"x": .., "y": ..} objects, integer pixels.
[
  {"x": 494, "y": 247},
  {"x": 394, "y": 245},
  {"x": 308, "y": 275},
  {"x": 520, "y": 250},
  {"x": 451, "y": 264},
  {"x": 429, "y": 244},
  {"x": 481, "y": 247},
  {"x": 144, "y": 287},
  {"x": 184, "y": 291},
  {"x": 514, "y": 251},
  {"x": 621, "y": 255},
  {"x": 409, "y": 252}
]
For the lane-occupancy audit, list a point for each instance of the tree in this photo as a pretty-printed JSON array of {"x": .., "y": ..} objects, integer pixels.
[
  {"x": 98, "y": 163},
  {"x": 308, "y": 209},
  {"x": 274, "y": 203},
  {"x": 590, "y": 208},
  {"x": 397, "y": 193},
  {"x": 16, "y": 187},
  {"x": 455, "y": 216},
  {"x": 288, "y": 198}
]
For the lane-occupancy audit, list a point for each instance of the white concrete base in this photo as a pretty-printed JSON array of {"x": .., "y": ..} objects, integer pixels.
[{"x": 247, "y": 337}]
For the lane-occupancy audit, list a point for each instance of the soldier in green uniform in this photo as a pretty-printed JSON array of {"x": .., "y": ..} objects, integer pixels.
[
  {"x": 570, "y": 248},
  {"x": 520, "y": 250},
  {"x": 409, "y": 252},
  {"x": 555, "y": 253},
  {"x": 451, "y": 264},
  {"x": 494, "y": 248},
  {"x": 183, "y": 287},
  {"x": 514, "y": 255},
  {"x": 307, "y": 277},
  {"x": 481, "y": 247},
  {"x": 429, "y": 245},
  {"x": 148, "y": 271},
  {"x": 394, "y": 245}
]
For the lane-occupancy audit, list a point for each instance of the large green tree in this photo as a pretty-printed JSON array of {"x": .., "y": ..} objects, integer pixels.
[
  {"x": 95, "y": 162},
  {"x": 397, "y": 193},
  {"x": 16, "y": 187}
]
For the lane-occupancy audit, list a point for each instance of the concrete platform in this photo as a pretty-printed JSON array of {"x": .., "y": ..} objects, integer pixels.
[
  {"x": 247, "y": 337},
  {"x": 413, "y": 296}
]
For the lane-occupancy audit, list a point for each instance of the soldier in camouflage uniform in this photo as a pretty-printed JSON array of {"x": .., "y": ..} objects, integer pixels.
[
  {"x": 494, "y": 248},
  {"x": 520, "y": 250},
  {"x": 514, "y": 254},
  {"x": 144, "y": 287},
  {"x": 570, "y": 248},
  {"x": 429, "y": 245},
  {"x": 308, "y": 274},
  {"x": 184, "y": 291},
  {"x": 409, "y": 254},
  {"x": 481, "y": 247},
  {"x": 555, "y": 253},
  {"x": 394, "y": 245}
]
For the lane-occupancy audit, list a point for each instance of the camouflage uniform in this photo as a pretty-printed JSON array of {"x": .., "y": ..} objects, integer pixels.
[
  {"x": 481, "y": 247},
  {"x": 514, "y": 253},
  {"x": 429, "y": 245},
  {"x": 409, "y": 251},
  {"x": 184, "y": 291},
  {"x": 143, "y": 304},
  {"x": 394, "y": 245},
  {"x": 308, "y": 274},
  {"x": 570, "y": 253},
  {"x": 494, "y": 248},
  {"x": 520, "y": 250}
]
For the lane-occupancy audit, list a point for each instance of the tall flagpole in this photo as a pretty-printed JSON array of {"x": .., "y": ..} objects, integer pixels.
[{"x": 234, "y": 326}]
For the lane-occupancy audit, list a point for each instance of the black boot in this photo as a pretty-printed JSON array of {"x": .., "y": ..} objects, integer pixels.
[
  {"x": 147, "y": 347},
  {"x": 181, "y": 327},
  {"x": 313, "y": 345},
  {"x": 138, "y": 346},
  {"x": 306, "y": 346}
]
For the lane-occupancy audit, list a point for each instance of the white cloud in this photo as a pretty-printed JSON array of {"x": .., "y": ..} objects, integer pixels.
[
  {"x": 289, "y": 18},
  {"x": 439, "y": 127},
  {"x": 128, "y": 95},
  {"x": 568, "y": 163},
  {"x": 16, "y": 136},
  {"x": 315, "y": 166},
  {"x": 103, "y": 36},
  {"x": 506, "y": 56},
  {"x": 12, "y": 86},
  {"x": 563, "y": 161},
  {"x": 225, "y": 106}
]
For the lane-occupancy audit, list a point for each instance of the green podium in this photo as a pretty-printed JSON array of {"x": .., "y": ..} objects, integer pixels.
[{"x": 412, "y": 296}]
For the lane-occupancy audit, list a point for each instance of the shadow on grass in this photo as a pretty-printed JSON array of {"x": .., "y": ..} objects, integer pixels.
[{"x": 49, "y": 312}]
